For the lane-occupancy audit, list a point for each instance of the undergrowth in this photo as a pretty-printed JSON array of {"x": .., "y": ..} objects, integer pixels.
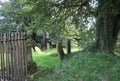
[{"x": 86, "y": 67}]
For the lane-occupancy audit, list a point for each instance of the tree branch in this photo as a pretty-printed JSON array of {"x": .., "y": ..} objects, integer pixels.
[
  {"x": 66, "y": 5},
  {"x": 81, "y": 4}
]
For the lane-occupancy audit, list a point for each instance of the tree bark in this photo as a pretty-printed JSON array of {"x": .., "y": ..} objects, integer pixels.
[
  {"x": 31, "y": 65},
  {"x": 29, "y": 55},
  {"x": 68, "y": 46},
  {"x": 107, "y": 30},
  {"x": 60, "y": 50}
]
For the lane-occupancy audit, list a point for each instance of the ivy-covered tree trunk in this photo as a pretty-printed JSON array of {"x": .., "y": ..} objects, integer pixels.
[
  {"x": 107, "y": 27},
  {"x": 60, "y": 50}
]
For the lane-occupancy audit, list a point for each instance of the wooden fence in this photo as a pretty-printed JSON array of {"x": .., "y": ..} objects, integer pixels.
[{"x": 13, "y": 65}]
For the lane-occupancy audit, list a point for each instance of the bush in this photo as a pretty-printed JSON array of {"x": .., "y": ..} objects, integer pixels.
[{"x": 88, "y": 67}]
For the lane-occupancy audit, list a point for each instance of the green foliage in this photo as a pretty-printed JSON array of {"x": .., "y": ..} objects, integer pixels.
[
  {"x": 87, "y": 67},
  {"x": 47, "y": 16},
  {"x": 86, "y": 38},
  {"x": 117, "y": 50},
  {"x": 13, "y": 13},
  {"x": 58, "y": 17},
  {"x": 46, "y": 59}
]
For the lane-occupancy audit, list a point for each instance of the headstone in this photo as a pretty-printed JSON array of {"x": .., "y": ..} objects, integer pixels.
[{"x": 38, "y": 50}]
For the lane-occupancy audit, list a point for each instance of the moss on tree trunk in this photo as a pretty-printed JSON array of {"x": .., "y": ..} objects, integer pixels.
[
  {"x": 107, "y": 29},
  {"x": 60, "y": 50}
]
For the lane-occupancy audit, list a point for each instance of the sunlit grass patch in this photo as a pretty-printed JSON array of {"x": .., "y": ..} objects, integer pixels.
[
  {"x": 48, "y": 58},
  {"x": 46, "y": 61}
]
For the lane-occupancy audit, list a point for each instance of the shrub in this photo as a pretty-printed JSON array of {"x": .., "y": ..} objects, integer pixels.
[{"x": 88, "y": 67}]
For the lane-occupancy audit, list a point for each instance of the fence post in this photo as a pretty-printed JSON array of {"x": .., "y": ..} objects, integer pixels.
[{"x": 13, "y": 56}]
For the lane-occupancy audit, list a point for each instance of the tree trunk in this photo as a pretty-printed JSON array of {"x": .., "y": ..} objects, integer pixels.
[
  {"x": 60, "y": 50},
  {"x": 107, "y": 29},
  {"x": 29, "y": 55},
  {"x": 31, "y": 65},
  {"x": 48, "y": 45},
  {"x": 68, "y": 46}
]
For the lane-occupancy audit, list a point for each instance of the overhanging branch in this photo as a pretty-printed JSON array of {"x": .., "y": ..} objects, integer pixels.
[
  {"x": 66, "y": 5},
  {"x": 79, "y": 5}
]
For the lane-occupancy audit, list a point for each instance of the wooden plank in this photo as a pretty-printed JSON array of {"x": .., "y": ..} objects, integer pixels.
[
  {"x": 22, "y": 54},
  {"x": 9, "y": 56},
  {"x": 13, "y": 56},
  {"x": 16, "y": 55},
  {"x": 3, "y": 62},
  {"x": 24, "y": 43},
  {"x": 1, "y": 52},
  {"x": 7, "y": 59}
]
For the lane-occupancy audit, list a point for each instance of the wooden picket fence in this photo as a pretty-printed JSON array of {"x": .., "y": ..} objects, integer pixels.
[{"x": 13, "y": 65}]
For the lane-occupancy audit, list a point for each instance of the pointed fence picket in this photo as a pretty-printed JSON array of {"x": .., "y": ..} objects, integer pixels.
[{"x": 13, "y": 65}]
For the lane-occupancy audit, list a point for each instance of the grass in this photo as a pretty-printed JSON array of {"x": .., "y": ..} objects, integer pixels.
[
  {"x": 48, "y": 58},
  {"x": 86, "y": 67}
]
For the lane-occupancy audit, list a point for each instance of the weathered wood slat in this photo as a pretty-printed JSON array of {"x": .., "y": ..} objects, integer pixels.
[{"x": 13, "y": 64}]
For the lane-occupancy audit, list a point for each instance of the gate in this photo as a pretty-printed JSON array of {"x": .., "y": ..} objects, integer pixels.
[{"x": 13, "y": 65}]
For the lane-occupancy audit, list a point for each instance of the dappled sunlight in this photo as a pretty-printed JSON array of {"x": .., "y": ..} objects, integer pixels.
[
  {"x": 48, "y": 58},
  {"x": 39, "y": 52},
  {"x": 53, "y": 51},
  {"x": 77, "y": 40},
  {"x": 50, "y": 51}
]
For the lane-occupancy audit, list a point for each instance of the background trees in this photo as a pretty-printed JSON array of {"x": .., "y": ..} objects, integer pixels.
[{"x": 56, "y": 17}]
